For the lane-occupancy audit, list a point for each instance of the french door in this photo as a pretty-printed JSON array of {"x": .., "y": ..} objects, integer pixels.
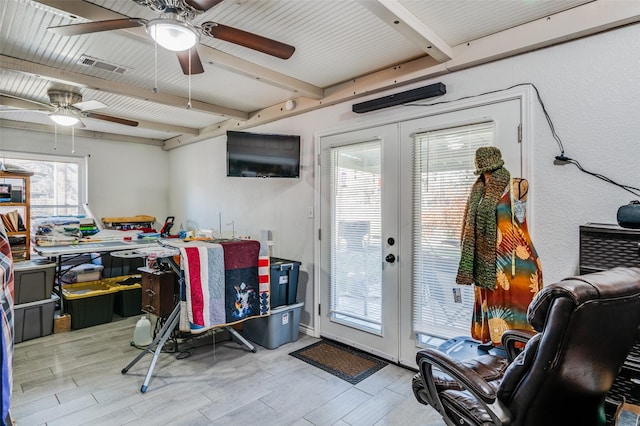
[
  {"x": 359, "y": 233},
  {"x": 392, "y": 200}
]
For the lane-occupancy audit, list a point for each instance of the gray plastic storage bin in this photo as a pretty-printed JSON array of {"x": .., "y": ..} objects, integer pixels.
[
  {"x": 284, "y": 281},
  {"x": 34, "y": 319},
  {"x": 119, "y": 266},
  {"x": 277, "y": 329},
  {"x": 33, "y": 281}
]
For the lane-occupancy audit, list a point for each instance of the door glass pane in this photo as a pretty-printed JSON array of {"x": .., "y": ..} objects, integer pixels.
[
  {"x": 442, "y": 177},
  {"x": 356, "y": 252}
]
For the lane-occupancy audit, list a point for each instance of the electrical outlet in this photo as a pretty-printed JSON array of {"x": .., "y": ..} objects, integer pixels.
[{"x": 309, "y": 212}]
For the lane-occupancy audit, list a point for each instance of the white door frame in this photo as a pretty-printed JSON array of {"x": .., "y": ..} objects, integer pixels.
[{"x": 524, "y": 93}]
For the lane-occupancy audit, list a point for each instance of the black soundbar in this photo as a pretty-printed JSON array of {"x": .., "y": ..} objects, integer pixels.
[{"x": 430, "y": 91}]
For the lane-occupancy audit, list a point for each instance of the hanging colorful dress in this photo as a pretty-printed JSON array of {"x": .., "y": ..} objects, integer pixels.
[{"x": 518, "y": 274}]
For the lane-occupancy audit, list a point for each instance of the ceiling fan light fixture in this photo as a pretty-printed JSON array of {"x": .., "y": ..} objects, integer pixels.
[
  {"x": 172, "y": 34},
  {"x": 64, "y": 118}
]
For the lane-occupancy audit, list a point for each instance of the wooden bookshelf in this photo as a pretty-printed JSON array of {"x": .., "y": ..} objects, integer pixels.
[{"x": 15, "y": 212}]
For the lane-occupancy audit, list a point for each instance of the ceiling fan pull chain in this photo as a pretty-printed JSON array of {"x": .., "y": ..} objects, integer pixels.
[
  {"x": 55, "y": 137},
  {"x": 189, "y": 76},
  {"x": 73, "y": 140},
  {"x": 155, "y": 68}
]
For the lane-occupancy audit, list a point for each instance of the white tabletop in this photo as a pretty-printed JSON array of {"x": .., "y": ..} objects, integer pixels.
[{"x": 104, "y": 246}]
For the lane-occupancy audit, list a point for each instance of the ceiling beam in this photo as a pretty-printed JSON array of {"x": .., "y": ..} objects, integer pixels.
[
  {"x": 208, "y": 54},
  {"x": 95, "y": 83},
  {"x": 398, "y": 17},
  {"x": 45, "y": 128},
  {"x": 257, "y": 72},
  {"x": 17, "y": 104},
  {"x": 396, "y": 76}
]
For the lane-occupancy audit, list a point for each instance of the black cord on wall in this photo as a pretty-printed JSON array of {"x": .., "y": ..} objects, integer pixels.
[{"x": 561, "y": 159}]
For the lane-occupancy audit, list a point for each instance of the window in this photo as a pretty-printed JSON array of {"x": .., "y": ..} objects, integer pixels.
[
  {"x": 57, "y": 184},
  {"x": 443, "y": 176}
]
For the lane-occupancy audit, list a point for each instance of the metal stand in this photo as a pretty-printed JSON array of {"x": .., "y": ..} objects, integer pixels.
[
  {"x": 165, "y": 332},
  {"x": 158, "y": 343},
  {"x": 239, "y": 339}
]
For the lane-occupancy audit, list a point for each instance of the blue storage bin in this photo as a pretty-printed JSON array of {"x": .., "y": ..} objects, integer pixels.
[{"x": 284, "y": 281}]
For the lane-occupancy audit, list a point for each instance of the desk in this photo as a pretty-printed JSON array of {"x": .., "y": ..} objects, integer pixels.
[{"x": 58, "y": 252}]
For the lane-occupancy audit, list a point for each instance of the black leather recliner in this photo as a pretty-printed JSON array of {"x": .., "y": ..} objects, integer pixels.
[{"x": 586, "y": 327}]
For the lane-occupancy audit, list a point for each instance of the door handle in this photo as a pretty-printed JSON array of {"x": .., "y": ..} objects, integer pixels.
[{"x": 390, "y": 258}]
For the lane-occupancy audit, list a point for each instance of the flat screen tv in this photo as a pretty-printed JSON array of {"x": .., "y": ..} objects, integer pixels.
[{"x": 262, "y": 155}]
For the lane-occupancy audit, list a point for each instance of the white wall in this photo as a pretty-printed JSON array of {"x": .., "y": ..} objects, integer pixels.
[
  {"x": 591, "y": 88},
  {"x": 124, "y": 179}
]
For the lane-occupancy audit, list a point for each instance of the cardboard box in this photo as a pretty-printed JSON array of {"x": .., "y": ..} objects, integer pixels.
[{"x": 61, "y": 323}]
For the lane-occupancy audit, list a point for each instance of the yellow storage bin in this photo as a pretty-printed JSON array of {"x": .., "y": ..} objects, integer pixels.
[
  {"x": 89, "y": 303},
  {"x": 128, "y": 300}
]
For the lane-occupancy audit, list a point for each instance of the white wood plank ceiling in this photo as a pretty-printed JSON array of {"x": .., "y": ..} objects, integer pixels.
[{"x": 342, "y": 47}]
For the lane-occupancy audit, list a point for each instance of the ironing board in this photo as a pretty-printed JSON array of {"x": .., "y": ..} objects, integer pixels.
[{"x": 165, "y": 256}]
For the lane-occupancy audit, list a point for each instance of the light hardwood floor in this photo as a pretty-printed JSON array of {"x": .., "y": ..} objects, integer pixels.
[{"x": 75, "y": 378}]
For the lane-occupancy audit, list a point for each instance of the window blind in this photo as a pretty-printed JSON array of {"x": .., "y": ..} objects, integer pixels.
[
  {"x": 356, "y": 275},
  {"x": 443, "y": 165}
]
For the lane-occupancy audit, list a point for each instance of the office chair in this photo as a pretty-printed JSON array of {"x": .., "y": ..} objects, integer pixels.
[{"x": 586, "y": 326}]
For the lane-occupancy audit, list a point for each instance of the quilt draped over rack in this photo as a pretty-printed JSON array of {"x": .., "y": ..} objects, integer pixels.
[{"x": 224, "y": 283}]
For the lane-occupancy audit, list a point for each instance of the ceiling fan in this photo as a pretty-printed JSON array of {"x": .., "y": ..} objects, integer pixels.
[
  {"x": 66, "y": 108},
  {"x": 173, "y": 30}
]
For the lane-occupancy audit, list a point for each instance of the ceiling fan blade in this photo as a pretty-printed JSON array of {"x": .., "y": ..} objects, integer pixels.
[
  {"x": 13, "y": 111},
  {"x": 110, "y": 118},
  {"x": 202, "y": 5},
  {"x": 97, "y": 26},
  {"x": 8, "y": 103},
  {"x": 196, "y": 64},
  {"x": 247, "y": 39},
  {"x": 89, "y": 105}
]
